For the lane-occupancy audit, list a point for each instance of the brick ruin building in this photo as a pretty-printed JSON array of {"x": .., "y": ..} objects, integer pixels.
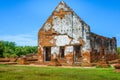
[{"x": 68, "y": 40}]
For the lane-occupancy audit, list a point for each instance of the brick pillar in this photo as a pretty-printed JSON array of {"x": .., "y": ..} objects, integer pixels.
[
  {"x": 86, "y": 58},
  {"x": 40, "y": 55}
]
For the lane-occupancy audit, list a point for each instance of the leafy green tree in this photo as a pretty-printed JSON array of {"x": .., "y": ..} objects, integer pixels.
[
  {"x": 9, "y": 49},
  {"x": 31, "y": 49},
  {"x": 19, "y": 51},
  {"x": 1, "y": 48}
]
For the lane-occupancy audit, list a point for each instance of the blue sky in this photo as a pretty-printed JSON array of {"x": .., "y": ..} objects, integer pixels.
[{"x": 20, "y": 20}]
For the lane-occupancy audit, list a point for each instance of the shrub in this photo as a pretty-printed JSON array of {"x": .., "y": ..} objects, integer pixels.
[
  {"x": 103, "y": 66},
  {"x": 6, "y": 55},
  {"x": 13, "y": 56}
]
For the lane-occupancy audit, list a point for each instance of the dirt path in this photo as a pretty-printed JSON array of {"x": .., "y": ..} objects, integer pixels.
[{"x": 54, "y": 66}]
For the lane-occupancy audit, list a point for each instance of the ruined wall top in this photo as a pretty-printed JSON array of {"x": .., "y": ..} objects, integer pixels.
[
  {"x": 64, "y": 6},
  {"x": 102, "y": 37}
]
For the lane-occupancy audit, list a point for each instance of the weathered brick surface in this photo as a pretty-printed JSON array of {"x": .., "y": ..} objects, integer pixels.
[
  {"x": 65, "y": 29},
  {"x": 4, "y": 59}
]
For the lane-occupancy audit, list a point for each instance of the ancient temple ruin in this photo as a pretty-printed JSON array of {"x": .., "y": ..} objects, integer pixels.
[{"x": 66, "y": 39}]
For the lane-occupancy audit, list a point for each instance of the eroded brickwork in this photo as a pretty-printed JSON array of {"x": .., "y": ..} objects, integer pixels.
[
  {"x": 65, "y": 39},
  {"x": 103, "y": 48}
]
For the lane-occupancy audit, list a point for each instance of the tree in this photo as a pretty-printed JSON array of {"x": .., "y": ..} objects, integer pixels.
[
  {"x": 19, "y": 50},
  {"x": 9, "y": 49},
  {"x": 118, "y": 50},
  {"x": 1, "y": 48}
]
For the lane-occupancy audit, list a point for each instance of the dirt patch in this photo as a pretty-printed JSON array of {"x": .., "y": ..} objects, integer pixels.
[{"x": 54, "y": 66}]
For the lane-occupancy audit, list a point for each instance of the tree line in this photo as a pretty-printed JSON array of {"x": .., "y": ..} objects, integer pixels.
[{"x": 9, "y": 49}]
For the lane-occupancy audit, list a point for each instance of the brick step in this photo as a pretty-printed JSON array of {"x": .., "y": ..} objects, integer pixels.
[
  {"x": 114, "y": 61},
  {"x": 4, "y": 60}
]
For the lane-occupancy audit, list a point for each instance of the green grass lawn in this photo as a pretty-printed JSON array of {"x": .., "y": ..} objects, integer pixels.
[{"x": 55, "y": 73}]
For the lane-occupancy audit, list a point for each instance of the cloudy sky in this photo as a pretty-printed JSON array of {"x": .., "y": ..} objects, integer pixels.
[{"x": 20, "y": 20}]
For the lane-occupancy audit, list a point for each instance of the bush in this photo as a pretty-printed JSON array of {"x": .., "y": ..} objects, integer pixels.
[
  {"x": 103, "y": 66},
  {"x": 13, "y": 56},
  {"x": 118, "y": 56},
  {"x": 6, "y": 55},
  {"x": 118, "y": 50}
]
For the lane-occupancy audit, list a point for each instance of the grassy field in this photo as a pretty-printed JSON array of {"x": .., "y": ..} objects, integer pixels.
[{"x": 55, "y": 73}]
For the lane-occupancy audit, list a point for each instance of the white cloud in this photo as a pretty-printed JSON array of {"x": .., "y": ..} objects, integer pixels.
[{"x": 29, "y": 39}]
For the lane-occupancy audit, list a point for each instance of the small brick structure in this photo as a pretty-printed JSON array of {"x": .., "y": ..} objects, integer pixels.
[
  {"x": 22, "y": 60},
  {"x": 28, "y": 59},
  {"x": 8, "y": 60},
  {"x": 117, "y": 66},
  {"x": 4, "y": 59},
  {"x": 65, "y": 39}
]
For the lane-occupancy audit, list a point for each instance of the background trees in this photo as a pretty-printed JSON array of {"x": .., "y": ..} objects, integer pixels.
[
  {"x": 9, "y": 49},
  {"x": 118, "y": 50},
  {"x": 1, "y": 49}
]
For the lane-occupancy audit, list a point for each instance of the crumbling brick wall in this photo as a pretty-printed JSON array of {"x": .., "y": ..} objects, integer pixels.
[
  {"x": 103, "y": 47},
  {"x": 62, "y": 32}
]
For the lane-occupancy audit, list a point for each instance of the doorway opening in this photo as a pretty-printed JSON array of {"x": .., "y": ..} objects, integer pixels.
[
  {"x": 103, "y": 54},
  {"x": 47, "y": 53},
  {"x": 62, "y": 52},
  {"x": 77, "y": 54}
]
